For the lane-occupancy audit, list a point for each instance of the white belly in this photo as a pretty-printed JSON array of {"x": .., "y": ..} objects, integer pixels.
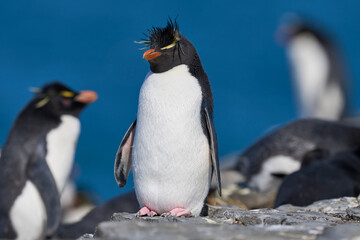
[
  {"x": 61, "y": 144},
  {"x": 311, "y": 67},
  {"x": 171, "y": 153},
  {"x": 28, "y": 214},
  {"x": 264, "y": 180}
]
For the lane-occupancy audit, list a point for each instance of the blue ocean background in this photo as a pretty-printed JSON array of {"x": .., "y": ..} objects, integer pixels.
[{"x": 89, "y": 44}]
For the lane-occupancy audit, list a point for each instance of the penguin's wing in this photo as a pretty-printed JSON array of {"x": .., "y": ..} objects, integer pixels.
[
  {"x": 39, "y": 173},
  {"x": 213, "y": 148},
  {"x": 123, "y": 156}
]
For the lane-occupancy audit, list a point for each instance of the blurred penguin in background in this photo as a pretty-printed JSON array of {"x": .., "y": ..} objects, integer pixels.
[
  {"x": 37, "y": 159},
  {"x": 322, "y": 90},
  {"x": 266, "y": 162},
  {"x": 317, "y": 66},
  {"x": 76, "y": 199},
  {"x": 322, "y": 85},
  {"x": 321, "y": 178}
]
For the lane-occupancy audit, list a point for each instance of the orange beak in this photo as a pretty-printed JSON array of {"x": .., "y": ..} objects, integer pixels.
[
  {"x": 86, "y": 97},
  {"x": 151, "y": 54}
]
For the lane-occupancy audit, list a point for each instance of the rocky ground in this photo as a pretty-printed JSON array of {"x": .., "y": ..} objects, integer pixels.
[{"x": 328, "y": 219}]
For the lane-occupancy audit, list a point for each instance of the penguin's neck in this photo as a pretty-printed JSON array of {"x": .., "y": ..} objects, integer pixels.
[
  {"x": 61, "y": 144},
  {"x": 174, "y": 84}
]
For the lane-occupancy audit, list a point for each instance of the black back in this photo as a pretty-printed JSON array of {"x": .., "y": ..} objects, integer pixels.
[
  {"x": 334, "y": 177},
  {"x": 297, "y": 139}
]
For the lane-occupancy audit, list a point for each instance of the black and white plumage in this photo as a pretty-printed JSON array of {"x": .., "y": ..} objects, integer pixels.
[
  {"x": 323, "y": 178},
  {"x": 318, "y": 70},
  {"x": 172, "y": 146},
  {"x": 36, "y": 161},
  {"x": 321, "y": 85},
  {"x": 282, "y": 151}
]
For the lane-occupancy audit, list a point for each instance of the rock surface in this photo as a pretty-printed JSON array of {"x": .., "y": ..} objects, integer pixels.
[{"x": 328, "y": 219}]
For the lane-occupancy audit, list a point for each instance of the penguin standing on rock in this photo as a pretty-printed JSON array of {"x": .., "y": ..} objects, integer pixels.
[
  {"x": 172, "y": 146},
  {"x": 318, "y": 70},
  {"x": 36, "y": 161}
]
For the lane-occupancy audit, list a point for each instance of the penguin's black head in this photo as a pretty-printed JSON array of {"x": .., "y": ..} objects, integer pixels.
[
  {"x": 286, "y": 33},
  {"x": 294, "y": 26},
  {"x": 168, "y": 48},
  {"x": 57, "y": 99}
]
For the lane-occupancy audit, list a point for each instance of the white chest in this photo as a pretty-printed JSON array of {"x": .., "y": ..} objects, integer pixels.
[
  {"x": 171, "y": 152},
  {"x": 61, "y": 144},
  {"x": 264, "y": 180},
  {"x": 173, "y": 94},
  {"x": 311, "y": 68}
]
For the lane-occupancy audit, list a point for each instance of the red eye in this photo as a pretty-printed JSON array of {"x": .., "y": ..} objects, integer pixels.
[{"x": 65, "y": 101}]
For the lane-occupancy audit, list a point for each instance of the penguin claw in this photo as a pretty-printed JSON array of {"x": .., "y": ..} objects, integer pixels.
[
  {"x": 153, "y": 213},
  {"x": 146, "y": 212},
  {"x": 165, "y": 214},
  {"x": 178, "y": 212}
]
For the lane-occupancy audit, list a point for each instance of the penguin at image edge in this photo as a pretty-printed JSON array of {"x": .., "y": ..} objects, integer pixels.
[
  {"x": 281, "y": 152},
  {"x": 325, "y": 178},
  {"x": 36, "y": 161},
  {"x": 172, "y": 146}
]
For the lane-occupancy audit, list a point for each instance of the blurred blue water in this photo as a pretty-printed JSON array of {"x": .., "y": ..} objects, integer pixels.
[{"x": 88, "y": 44}]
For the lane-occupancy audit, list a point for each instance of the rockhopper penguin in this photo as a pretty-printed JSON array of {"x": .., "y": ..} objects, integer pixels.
[
  {"x": 36, "y": 161},
  {"x": 318, "y": 70},
  {"x": 172, "y": 146},
  {"x": 323, "y": 178},
  {"x": 282, "y": 151}
]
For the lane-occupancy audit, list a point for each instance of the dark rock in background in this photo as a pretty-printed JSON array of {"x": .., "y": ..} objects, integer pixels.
[{"x": 125, "y": 202}]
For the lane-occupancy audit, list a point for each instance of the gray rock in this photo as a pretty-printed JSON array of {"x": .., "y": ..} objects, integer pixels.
[
  {"x": 338, "y": 205},
  {"x": 151, "y": 230},
  {"x": 328, "y": 219},
  {"x": 86, "y": 236},
  {"x": 343, "y": 232},
  {"x": 119, "y": 217},
  {"x": 353, "y": 213}
]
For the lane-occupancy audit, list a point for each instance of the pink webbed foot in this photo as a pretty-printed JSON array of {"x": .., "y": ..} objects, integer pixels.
[
  {"x": 146, "y": 212},
  {"x": 178, "y": 212}
]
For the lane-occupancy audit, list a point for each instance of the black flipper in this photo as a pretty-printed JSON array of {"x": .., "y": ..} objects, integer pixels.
[
  {"x": 213, "y": 148},
  {"x": 39, "y": 174},
  {"x": 123, "y": 156}
]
